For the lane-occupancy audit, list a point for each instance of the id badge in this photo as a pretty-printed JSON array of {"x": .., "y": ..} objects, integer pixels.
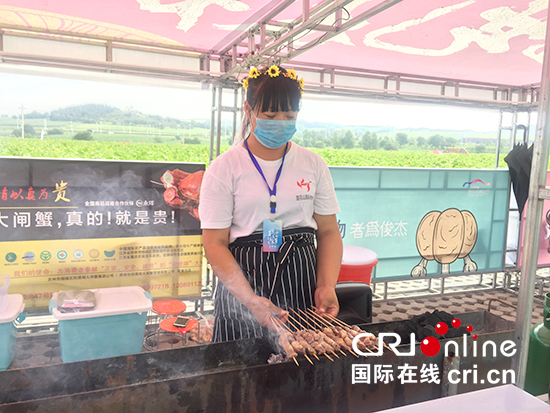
[{"x": 273, "y": 235}]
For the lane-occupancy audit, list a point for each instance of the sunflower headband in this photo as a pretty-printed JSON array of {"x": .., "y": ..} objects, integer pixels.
[{"x": 273, "y": 71}]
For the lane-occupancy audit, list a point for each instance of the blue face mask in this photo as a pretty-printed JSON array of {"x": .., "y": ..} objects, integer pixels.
[{"x": 274, "y": 133}]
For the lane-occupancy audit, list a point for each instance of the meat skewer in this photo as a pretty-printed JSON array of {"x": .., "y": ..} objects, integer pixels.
[
  {"x": 284, "y": 341},
  {"x": 322, "y": 348},
  {"x": 318, "y": 349},
  {"x": 287, "y": 347},
  {"x": 333, "y": 339},
  {"x": 297, "y": 346},
  {"x": 305, "y": 345},
  {"x": 300, "y": 328},
  {"x": 317, "y": 342},
  {"x": 342, "y": 340},
  {"x": 304, "y": 335},
  {"x": 338, "y": 342},
  {"x": 331, "y": 343},
  {"x": 300, "y": 348},
  {"x": 357, "y": 330},
  {"x": 346, "y": 331},
  {"x": 309, "y": 333},
  {"x": 350, "y": 332}
]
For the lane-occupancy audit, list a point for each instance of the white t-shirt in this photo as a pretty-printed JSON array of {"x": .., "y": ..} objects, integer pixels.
[{"x": 234, "y": 194}]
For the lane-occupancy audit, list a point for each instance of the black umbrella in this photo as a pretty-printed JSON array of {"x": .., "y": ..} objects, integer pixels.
[{"x": 519, "y": 166}]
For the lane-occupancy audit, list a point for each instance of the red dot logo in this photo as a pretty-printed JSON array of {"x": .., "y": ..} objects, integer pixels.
[
  {"x": 474, "y": 336},
  {"x": 456, "y": 323},
  {"x": 430, "y": 346},
  {"x": 469, "y": 329},
  {"x": 441, "y": 329}
]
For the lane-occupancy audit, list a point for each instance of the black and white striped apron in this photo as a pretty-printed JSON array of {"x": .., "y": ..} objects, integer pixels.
[{"x": 286, "y": 277}]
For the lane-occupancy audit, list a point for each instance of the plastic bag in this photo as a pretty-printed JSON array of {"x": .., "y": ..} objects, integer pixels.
[{"x": 75, "y": 301}]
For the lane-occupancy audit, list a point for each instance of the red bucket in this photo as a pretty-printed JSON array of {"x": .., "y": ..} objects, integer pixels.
[{"x": 357, "y": 264}]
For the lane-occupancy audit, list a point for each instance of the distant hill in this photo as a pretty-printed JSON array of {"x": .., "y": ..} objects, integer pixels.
[{"x": 91, "y": 113}]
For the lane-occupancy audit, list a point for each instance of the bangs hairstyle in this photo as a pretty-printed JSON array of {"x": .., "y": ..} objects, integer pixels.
[{"x": 272, "y": 94}]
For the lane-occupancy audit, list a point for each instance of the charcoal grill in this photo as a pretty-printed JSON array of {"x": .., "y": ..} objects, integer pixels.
[{"x": 231, "y": 376}]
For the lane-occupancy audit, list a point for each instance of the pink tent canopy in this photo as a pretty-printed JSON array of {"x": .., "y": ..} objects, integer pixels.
[{"x": 497, "y": 41}]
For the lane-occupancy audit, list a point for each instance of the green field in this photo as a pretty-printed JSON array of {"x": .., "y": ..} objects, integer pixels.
[
  {"x": 410, "y": 159},
  {"x": 153, "y": 142},
  {"x": 124, "y": 150},
  {"x": 132, "y": 150},
  {"x": 107, "y": 132}
]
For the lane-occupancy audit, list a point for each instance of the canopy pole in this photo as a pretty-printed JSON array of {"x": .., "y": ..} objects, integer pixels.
[
  {"x": 219, "y": 121},
  {"x": 212, "y": 123},
  {"x": 529, "y": 255},
  {"x": 499, "y": 137},
  {"x": 235, "y": 104}
]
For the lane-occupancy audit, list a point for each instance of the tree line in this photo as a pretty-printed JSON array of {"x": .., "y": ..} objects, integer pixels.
[
  {"x": 346, "y": 139},
  {"x": 337, "y": 139}
]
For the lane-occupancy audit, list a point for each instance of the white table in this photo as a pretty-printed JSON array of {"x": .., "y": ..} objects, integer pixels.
[{"x": 501, "y": 399}]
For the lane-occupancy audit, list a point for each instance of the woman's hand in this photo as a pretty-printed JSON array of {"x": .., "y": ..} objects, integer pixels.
[
  {"x": 326, "y": 301},
  {"x": 225, "y": 266},
  {"x": 263, "y": 309},
  {"x": 329, "y": 258}
]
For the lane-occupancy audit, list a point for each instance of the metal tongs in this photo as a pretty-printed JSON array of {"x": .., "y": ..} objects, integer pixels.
[{"x": 75, "y": 301}]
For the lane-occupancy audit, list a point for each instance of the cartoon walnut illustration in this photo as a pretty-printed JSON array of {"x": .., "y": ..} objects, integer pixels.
[{"x": 445, "y": 237}]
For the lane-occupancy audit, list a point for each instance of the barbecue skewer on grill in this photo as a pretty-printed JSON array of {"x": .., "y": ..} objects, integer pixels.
[
  {"x": 317, "y": 344},
  {"x": 334, "y": 341},
  {"x": 322, "y": 336},
  {"x": 340, "y": 337},
  {"x": 330, "y": 342},
  {"x": 346, "y": 334},
  {"x": 312, "y": 338},
  {"x": 321, "y": 343},
  {"x": 305, "y": 345},
  {"x": 350, "y": 332},
  {"x": 299, "y": 346},
  {"x": 323, "y": 324},
  {"x": 308, "y": 348},
  {"x": 284, "y": 341},
  {"x": 355, "y": 328}
]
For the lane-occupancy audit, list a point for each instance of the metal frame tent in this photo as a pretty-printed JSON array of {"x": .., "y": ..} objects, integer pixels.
[{"x": 266, "y": 37}]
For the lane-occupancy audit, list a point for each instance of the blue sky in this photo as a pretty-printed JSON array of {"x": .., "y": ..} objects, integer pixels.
[{"x": 46, "y": 93}]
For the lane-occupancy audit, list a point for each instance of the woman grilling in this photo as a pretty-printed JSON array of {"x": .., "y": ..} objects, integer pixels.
[{"x": 263, "y": 204}]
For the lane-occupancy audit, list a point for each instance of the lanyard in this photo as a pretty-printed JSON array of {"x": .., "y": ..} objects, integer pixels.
[{"x": 272, "y": 192}]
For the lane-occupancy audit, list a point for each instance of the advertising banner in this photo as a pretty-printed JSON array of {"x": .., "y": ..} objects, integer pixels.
[
  {"x": 93, "y": 224},
  {"x": 424, "y": 221},
  {"x": 543, "y": 259}
]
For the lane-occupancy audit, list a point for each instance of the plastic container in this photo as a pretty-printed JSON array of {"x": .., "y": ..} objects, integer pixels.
[
  {"x": 357, "y": 264},
  {"x": 13, "y": 307},
  {"x": 5, "y": 283},
  {"x": 114, "y": 328}
]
